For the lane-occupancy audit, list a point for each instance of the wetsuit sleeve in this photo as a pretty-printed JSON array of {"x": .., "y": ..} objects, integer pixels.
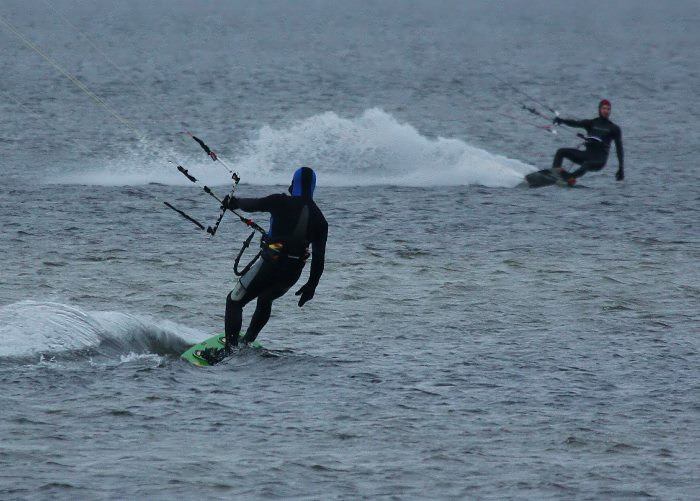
[
  {"x": 264, "y": 204},
  {"x": 581, "y": 124},
  {"x": 619, "y": 150},
  {"x": 318, "y": 256}
]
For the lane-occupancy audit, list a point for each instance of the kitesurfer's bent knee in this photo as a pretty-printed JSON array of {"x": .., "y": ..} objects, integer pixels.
[
  {"x": 588, "y": 167},
  {"x": 576, "y": 156}
]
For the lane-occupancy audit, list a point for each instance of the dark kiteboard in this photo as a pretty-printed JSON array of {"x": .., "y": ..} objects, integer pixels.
[{"x": 548, "y": 177}]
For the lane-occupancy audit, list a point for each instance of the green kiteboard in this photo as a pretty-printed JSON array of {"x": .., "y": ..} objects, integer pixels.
[{"x": 193, "y": 355}]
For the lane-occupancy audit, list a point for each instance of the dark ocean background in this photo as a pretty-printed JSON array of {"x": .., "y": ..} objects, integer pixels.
[{"x": 471, "y": 338}]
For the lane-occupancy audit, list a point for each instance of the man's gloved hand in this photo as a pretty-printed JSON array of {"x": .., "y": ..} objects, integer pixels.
[
  {"x": 230, "y": 203},
  {"x": 620, "y": 174},
  {"x": 306, "y": 292}
]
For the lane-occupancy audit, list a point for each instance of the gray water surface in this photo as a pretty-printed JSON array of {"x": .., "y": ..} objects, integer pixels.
[{"x": 470, "y": 338}]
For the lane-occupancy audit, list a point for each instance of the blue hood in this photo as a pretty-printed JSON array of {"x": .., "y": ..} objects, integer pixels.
[{"x": 303, "y": 183}]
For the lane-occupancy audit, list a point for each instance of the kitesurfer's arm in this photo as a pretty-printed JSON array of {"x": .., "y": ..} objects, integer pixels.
[
  {"x": 580, "y": 124},
  {"x": 318, "y": 258},
  {"x": 620, "y": 174},
  {"x": 264, "y": 204}
]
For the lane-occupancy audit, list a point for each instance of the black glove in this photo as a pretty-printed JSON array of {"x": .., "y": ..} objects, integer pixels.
[
  {"x": 557, "y": 120},
  {"x": 306, "y": 292},
  {"x": 230, "y": 203},
  {"x": 620, "y": 174}
]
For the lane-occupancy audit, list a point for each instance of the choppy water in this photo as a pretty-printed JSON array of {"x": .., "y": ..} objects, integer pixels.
[{"x": 470, "y": 338}]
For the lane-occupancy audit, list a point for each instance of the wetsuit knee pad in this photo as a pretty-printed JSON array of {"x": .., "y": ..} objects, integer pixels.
[
  {"x": 238, "y": 292},
  {"x": 243, "y": 284}
]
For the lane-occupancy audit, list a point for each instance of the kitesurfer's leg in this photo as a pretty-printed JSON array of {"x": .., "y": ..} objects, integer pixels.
[
  {"x": 588, "y": 166},
  {"x": 233, "y": 320},
  {"x": 576, "y": 156},
  {"x": 246, "y": 289},
  {"x": 263, "y": 309},
  {"x": 234, "y": 317}
]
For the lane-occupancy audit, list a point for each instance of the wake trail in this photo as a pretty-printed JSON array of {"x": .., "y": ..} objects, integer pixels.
[
  {"x": 371, "y": 149},
  {"x": 33, "y": 330}
]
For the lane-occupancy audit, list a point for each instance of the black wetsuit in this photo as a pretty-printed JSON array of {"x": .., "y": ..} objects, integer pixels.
[
  {"x": 296, "y": 223},
  {"x": 600, "y": 132}
]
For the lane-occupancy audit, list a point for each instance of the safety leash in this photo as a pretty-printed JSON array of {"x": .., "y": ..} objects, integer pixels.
[{"x": 246, "y": 244}]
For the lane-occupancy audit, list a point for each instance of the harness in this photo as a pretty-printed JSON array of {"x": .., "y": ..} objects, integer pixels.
[
  {"x": 275, "y": 251},
  {"x": 278, "y": 250},
  {"x": 293, "y": 247}
]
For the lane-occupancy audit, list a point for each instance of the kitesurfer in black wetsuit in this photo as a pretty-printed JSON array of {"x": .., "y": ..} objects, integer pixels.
[
  {"x": 600, "y": 132},
  {"x": 296, "y": 224}
]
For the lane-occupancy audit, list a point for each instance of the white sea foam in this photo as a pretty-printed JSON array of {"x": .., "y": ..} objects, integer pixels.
[{"x": 371, "y": 149}]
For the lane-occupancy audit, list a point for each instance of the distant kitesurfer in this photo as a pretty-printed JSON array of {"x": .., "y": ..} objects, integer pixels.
[
  {"x": 600, "y": 132},
  {"x": 296, "y": 224}
]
